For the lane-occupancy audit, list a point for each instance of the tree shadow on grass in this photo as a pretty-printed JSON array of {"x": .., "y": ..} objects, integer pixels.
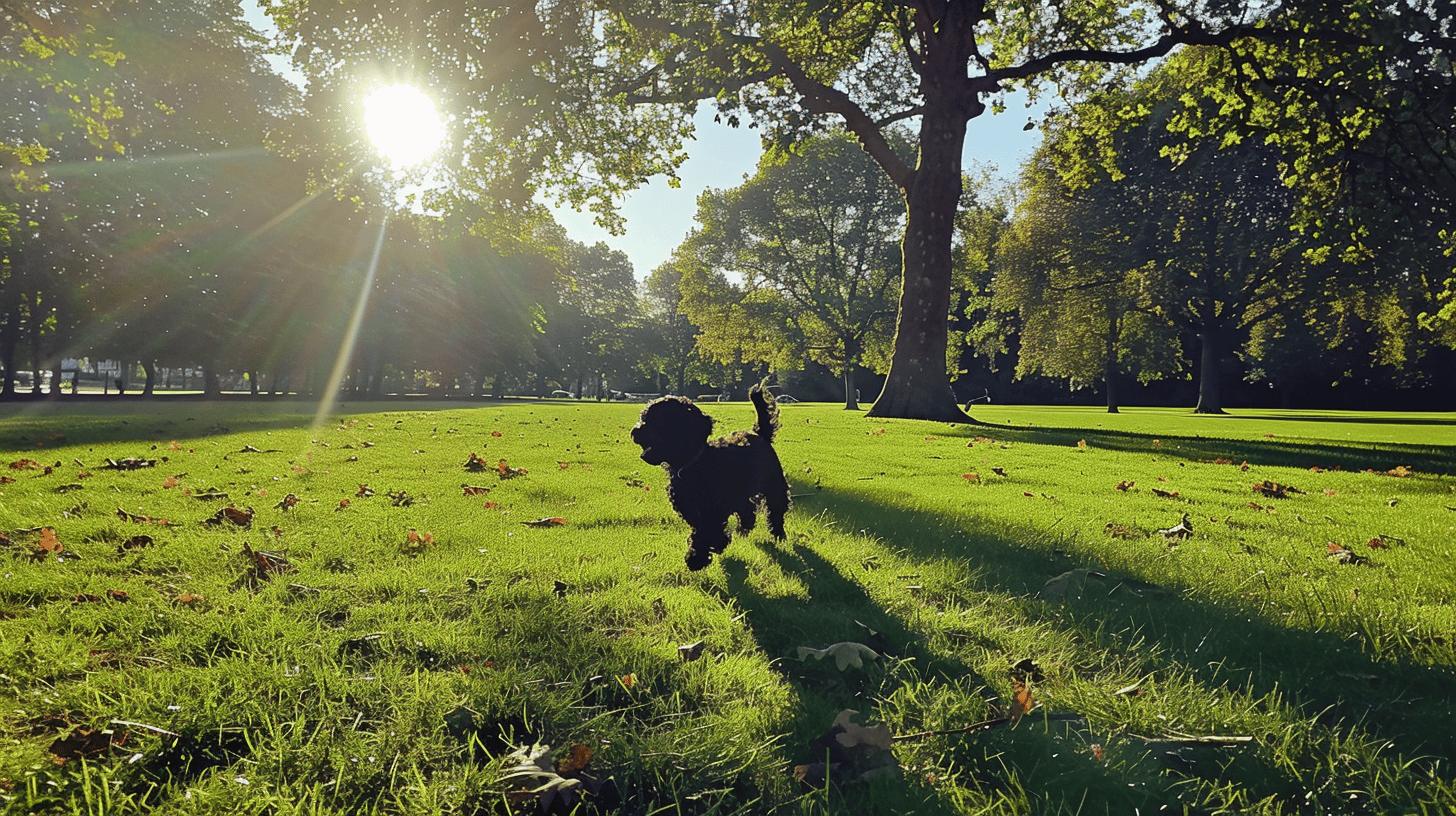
[
  {"x": 838, "y": 608},
  {"x": 1353, "y": 456},
  {"x": 1381, "y": 419},
  {"x": 1324, "y": 675},
  {"x": 41, "y": 425}
]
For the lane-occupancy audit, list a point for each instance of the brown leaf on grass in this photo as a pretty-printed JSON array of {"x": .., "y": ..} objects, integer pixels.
[
  {"x": 5, "y": 480},
  {"x": 415, "y": 542},
  {"x": 1097, "y": 753},
  {"x": 1165, "y": 494},
  {"x": 1377, "y": 543},
  {"x": 364, "y": 492},
  {"x": 1223, "y": 461},
  {"x": 288, "y": 502},
  {"x": 473, "y": 490},
  {"x": 1021, "y": 702},
  {"x": 136, "y": 542},
  {"x": 496, "y": 434},
  {"x": 86, "y": 743},
  {"x": 132, "y": 463},
  {"x": 505, "y": 471},
  {"x": 1275, "y": 490},
  {"x": 25, "y": 464},
  {"x": 549, "y": 521},
  {"x": 1343, "y": 555},
  {"x": 191, "y": 600},
  {"x": 628, "y": 680},
  {"x": 475, "y": 464},
  {"x": 170, "y": 482},
  {"x": 1316, "y": 469},
  {"x": 118, "y": 595},
  {"x": 48, "y": 543},
  {"x": 84, "y": 598},
  {"x": 1082, "y": 444},
  {"x": 490, "y": 505},
  {"x": 562, "y": 465},
  {"x": 1399, "y": 471},
  {"x": 1329, "y": 492},
  {"x": 1028, "y": 494},
  {"x": 174, "y": 445},
  {"x": 576, "y": 760},
  {"x": 1180, "y": 531},
  {"x": 1126, "y": 485},
  {"x": 136, "y": 518},
  {"x": 266, "y": 564},
  {"x": 342, "y": 505},
  {"x": 1122, "y": 531},
  {"x": 238, "y": 517},
  {"x": 971, "y": 477},
  {"x": 876, "y": 432}
]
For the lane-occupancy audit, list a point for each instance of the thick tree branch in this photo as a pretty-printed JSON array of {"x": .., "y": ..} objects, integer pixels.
[{"x": 826, "y": 99}]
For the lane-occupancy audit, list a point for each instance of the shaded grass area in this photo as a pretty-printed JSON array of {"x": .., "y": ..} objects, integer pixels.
[{"x": 384, "y": 676}]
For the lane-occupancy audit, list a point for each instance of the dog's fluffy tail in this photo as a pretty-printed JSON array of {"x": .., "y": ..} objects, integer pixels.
[{"x": 767, "y": 409}]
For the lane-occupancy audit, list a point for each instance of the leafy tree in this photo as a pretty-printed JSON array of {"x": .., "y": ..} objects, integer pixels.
[
  {"x": 590, "y": 322},
  {"x": 591, "y": 98},
  {"x": 669, "y": 336},
  {"x": 814, "y": 229},
  {"x": 1075, "y": 266}
]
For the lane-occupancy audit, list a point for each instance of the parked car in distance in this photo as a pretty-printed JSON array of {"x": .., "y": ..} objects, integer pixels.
[{"x": 780, "y": 396}]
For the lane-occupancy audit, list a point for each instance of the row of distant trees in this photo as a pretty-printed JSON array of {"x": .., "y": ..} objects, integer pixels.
[{"x": 175, "y": 203}]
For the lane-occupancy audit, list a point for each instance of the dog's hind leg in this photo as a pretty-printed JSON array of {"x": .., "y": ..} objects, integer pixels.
[
  {"x": 747, "y": 516},
  {"x": 777, "y": 500}
]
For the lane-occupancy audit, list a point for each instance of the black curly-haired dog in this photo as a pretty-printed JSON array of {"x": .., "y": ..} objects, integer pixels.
[{"x": 710, "y": 480}]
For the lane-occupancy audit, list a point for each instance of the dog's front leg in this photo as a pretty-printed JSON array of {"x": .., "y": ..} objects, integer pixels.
[{"x": 705, "y": 540}]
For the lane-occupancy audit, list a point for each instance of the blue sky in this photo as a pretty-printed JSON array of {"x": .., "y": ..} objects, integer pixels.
[{"x": 658, "y": 216}]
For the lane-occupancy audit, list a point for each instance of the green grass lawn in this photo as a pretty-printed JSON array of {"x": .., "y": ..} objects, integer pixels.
[{"x": 1243, "y": 668}]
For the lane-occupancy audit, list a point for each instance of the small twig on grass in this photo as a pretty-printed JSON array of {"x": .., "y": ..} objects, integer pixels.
[
  {"x": 140, "y": 726},
  {"x": 1210, "y": 739}
]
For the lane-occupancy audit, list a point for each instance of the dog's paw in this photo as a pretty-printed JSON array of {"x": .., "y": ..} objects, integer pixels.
[{"x": 697, "y": 559}]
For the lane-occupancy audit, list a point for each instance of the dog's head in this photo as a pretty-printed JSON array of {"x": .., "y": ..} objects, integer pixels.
[{"x": 672, "y": 430}]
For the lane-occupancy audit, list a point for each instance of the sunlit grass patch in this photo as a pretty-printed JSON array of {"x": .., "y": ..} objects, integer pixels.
[{"x": 1238, "y": 667}]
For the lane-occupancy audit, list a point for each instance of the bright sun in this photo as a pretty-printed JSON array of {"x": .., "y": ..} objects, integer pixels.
[{"x": 403, "y": 124}]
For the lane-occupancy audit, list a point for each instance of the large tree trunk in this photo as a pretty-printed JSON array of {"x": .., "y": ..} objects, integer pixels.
[
  {"x": 253, "y": 382},
  {"x": 57, "y": 375},
  {"x": 211, "y": 382},
  {"x": 851, "y": 399},
  {"x": 1210, "y": 391},
  {"x": 9, "y": 339},
  {"x": 917, "y": 386},
  {"x": 149, "y": 386},
  {"x": 1109, "y": 373}
]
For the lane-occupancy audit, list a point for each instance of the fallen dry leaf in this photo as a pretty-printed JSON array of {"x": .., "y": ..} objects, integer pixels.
[
  {"x": 549, "y": 521},
  {"x": 505, "y": 471},
  {"x": 1165, "y": 494},
  {"x": 189, "y": 599},
  {"x": 1180, "y": 531},
  {"x": 136, "y": 542},
  {"x": 364, "y": 492},
  {"x": 86, "y": 743},
  {"x": 576, "y": 759},
  {"x": 1021, "y": 700},
  {"x": 288, "y": 502},
  {"x": 1399, "y": 471},
  {"x": 1343, "y": 555},
  {"x": 343, "y": 505},
  {"x": 1126, "y": 485},
  {"x": 846, "y": 655},
  {"x": 169, "y": 482},
  {"x": 473, "y": 490},
  {"x": 628, "y": 680},
  {"x": 1082, "y": 444},
  {"x": 49, "y": 544},
  {"x": 475, "y": 464},
  {"x": 971, "y": 477},
  {"x": 1275, "y": 490},
  {"x": 238, "y": 517},
  {"x": 133, "y": 463},
  {"x": 1122, "y": 531}
]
